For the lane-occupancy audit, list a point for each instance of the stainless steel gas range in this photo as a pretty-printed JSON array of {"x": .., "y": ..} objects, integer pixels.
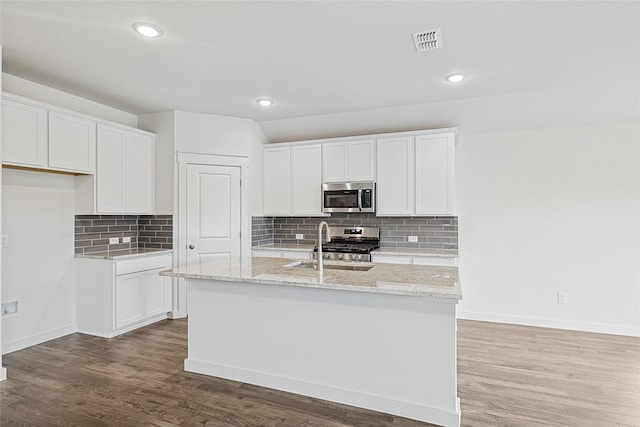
[{"x": 350, "y": 243}]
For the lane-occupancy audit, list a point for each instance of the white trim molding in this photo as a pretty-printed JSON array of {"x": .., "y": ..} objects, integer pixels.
[{"x": 600, "y": 328}]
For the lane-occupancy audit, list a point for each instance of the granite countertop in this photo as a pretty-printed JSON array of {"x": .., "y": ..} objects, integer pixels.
[
  {"x": 381, "y": 251},
  {"x": 452, "y": 253},
  {"x": 125, "y": 253},
  {"x": 412, "y": 280},
  {"x": 284, "y": 247}
]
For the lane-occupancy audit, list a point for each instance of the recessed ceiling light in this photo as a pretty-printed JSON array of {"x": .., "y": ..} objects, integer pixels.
[
  {"x": 148, "y": 30},
  {"x": 265, "y": 102},
  {"x": 455, "y": 78}
]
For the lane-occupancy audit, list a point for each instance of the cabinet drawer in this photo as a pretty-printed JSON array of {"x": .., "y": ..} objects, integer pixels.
[{"x": 143, "y": 264}]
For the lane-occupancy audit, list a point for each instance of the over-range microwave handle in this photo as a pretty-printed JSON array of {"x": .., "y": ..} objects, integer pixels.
[{"x": 360, "y": 200}]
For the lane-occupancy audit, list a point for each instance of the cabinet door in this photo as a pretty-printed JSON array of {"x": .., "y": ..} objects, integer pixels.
[
  {"x": 72, "y": 143},
  {"x": 306, "y": 180},
  {"x": 24, "y": 134},
  {"x": 361, "y": 159},
  {"x": 128, "y": 300},
  {"x": 434, "y": 174},
  {"x": 155, "y": 293},
  {"x": 276, "y": 181},
  {"x": 138, "y": 173},
  {"x": 110, "y": 171},
  {"x": 396, "y": 179},
  {"x": 334, "y": 162}
]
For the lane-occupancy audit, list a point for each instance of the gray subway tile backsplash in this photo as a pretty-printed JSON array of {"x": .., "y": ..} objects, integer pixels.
[
  {"x": 92, "y": 232},
  {"x": 439, "y": 233}
]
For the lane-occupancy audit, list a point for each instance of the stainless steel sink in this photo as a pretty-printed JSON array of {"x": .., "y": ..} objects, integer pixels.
[{"x": 360, "y": 266}]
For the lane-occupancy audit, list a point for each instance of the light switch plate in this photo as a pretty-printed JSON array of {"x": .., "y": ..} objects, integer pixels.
[
  {"x": 5, "y": 241},
  {"x": 299, "y": 236},
  {"x": 413, "y": 238},
  {"x": 126, "y": 240},
  {"x": 113, "y": 240}
]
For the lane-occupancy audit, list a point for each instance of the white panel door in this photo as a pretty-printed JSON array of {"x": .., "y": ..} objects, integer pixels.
[
  {"x": 72, "y": 142},
  {"x": 434, "y": 175},
  {"x": 109, "y": 170},
  {"x": 276, "y": 181},
  {"x": 306, "y": 180},
  {"x": 396, "y": 176},
  {"x": 361, "y": 156},
  {"x": 138, "y": 173},
  {"x": 334, "y": 162},
  {"x": 213, "y": 212},
  {"x": 156, "y": 293},
  {"x": 128, "y": 300},
  {"x": 24, "y": 134}
]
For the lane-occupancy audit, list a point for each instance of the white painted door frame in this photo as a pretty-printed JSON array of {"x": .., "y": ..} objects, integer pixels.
[{"x": 179, "y": 293}]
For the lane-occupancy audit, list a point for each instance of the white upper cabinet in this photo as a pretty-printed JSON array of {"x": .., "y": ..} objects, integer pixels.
[
  {"x": 306, "y": 180},
  {"x": 276, "y": 182},
  {"x": 24, "y": 134},
  {"x": 124, "y": 175},
  {"x": 349, "y": 161},
  {"x": 72, "y": 143},
  {"x": 38, "y": 136},
  {"x": 396, "y": 184},
  {"x": 435, "y": 174},
  {"x": 292, "y": 180},
  {"x": 416, "y": 175}
]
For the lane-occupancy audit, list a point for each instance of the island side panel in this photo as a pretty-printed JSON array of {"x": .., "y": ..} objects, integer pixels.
[{"x": 391, "y": 353}]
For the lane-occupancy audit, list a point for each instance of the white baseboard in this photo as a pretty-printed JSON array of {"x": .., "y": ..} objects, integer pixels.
[
  {"x": 551, "y": 323},
  {"x": 9, "y": 347},
  {"x": 349, "y": 397}
]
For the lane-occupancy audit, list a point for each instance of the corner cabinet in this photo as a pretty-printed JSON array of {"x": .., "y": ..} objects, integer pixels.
[
  {"x": 116, "y": 296},
  {"x": 416, "y": 175},
  {"x": 37, "y": 136},
  {"x": 123, "y": 183},
  {"x": 292, "y": 180}
]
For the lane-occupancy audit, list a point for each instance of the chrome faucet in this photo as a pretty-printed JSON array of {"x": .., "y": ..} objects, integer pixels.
[{"x": 320, "y": 265}]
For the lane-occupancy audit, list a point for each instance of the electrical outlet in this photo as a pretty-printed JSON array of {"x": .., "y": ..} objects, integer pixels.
[
  {"x": 126, "y": 240},
  {"x": 299, "y": 236},
  {"x": 562, "y": 297},
  {"x": 113, "y": 240},
  {"x": 413, "y": 238},
  {"x": 5, "y": 241},
  {"x": 9, "y": 308}
]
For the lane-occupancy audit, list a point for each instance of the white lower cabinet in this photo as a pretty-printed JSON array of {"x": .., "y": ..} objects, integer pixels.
[
  {"x": 415, "y": 259},
  {"x": 117, "y": 296}
]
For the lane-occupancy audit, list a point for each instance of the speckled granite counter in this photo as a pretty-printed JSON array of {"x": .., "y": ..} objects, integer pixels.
[
  {"x": 283, "y": 247},
  {"x": 125, "y": 253},
  {"x": 379, "y": 251},
  {"x": 416, "y": 252},
  {"x": 415, "y": 280}
]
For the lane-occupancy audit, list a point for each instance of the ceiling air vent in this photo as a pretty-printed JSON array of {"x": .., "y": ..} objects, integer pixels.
[{"x": 427, "y": 40}]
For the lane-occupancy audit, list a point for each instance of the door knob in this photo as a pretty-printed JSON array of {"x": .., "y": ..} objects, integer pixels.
[{"x": 191, "y": 246}]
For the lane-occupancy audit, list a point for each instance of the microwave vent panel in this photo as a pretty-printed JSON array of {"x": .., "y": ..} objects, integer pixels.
[{"x": 427, "y": 40}]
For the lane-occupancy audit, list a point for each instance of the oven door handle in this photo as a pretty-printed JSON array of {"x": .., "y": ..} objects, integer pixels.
[{"x": 360, "y": 200}]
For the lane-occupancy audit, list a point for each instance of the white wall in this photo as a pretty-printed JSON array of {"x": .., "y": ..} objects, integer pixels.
[
  {"x": 38, "y": 266},
  {"x": 543, "y": 211}
]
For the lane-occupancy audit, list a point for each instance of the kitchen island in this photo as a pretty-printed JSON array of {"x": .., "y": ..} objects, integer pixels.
[{"x": 382, "y": 338}]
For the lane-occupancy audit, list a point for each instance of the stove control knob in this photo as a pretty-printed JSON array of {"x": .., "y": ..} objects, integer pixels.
[
  {"x": 358, "y": 257},
  {"x": 340, "y": 256},
  {"x": 326, "y": 256}
]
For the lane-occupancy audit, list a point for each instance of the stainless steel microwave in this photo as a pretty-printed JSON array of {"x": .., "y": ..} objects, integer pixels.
[{"x": 349, "y": 197}]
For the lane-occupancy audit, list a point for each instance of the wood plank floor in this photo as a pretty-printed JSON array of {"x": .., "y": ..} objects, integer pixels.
[{"x": 508, "y": 376}]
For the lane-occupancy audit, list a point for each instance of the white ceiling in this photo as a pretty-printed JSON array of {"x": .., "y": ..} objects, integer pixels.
[{"x": 319, "y": 57}]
